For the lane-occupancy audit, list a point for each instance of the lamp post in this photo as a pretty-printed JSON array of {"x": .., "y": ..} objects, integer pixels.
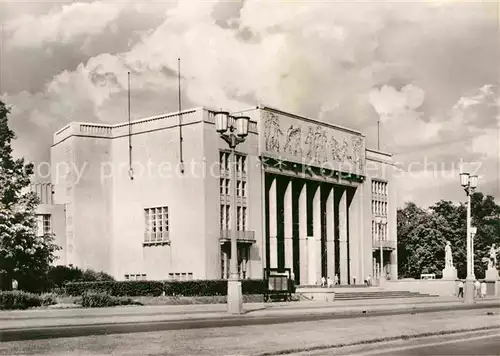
[
  {"x": 473, "y": 231},
  {"x": 469, "y": 183},
  {"x": 380, "y": 221},
  {"x": 238, "y": 130}
]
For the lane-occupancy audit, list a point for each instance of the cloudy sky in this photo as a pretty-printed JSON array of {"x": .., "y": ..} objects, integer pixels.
[{"x": 429, "y": 70}]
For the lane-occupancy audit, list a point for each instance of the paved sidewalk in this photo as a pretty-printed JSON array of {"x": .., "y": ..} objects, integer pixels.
[
  {"x": 203, "y": 308},
  {"x": 138, "y": 314}
]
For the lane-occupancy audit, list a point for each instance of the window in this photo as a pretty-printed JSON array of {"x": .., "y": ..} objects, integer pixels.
[
  {"x": 244, "y": 219},
  {"x": 44, "y": 224},
  {"x": 224, "y": 186},
  {"x": 181, "y": 276},
  {"x": 244, "y": 164},
  {"x": 157, "y": 224},
  {"x": 238, "y": 218},
  {"x": 225, "y": 216},
  {"x": 224, "y": 160},
  {"x": 226, "y": 189}
]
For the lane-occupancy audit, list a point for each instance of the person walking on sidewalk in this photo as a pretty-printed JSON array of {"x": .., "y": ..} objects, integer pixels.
[
  {"x": 460, "y": 289},
  {"x": 477, "y": 289},
  {"x": 483, "y": 289}
]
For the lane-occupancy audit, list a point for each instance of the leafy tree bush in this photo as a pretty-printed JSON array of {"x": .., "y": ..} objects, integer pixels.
[
  {"x": 93, "y": 276},
  {"x": 24, "y": 256},
  {"x": 101, "y": 299},
  {"x": 58, "y": 276},
  {"x": 23, "y": 300},
  {"x": 422, "y": 236}
]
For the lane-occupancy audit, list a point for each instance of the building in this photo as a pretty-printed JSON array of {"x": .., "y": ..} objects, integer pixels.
[
  {"x": 150, "y": 199},
  {"x": 50, "y": 216}
]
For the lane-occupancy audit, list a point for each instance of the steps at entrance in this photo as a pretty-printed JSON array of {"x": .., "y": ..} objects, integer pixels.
[
  {"x": 363, "y": 293},
  {"x": 379, "y": 295}
]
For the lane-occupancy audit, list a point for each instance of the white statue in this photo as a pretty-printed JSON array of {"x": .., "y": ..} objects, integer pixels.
[
  {"x": 492, "y": 263},
  {"x": 448, "y": 257}
]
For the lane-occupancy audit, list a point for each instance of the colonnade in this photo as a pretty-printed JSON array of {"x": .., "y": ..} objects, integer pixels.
[{"x": 313, "y": 229}]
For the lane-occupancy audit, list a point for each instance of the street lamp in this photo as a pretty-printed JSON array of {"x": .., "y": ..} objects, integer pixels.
[
  {"x": 473, "y": 231},
  {"x": 238, "y": 130},
  {"x": 469, "y": 183},
  {"x": 380, "y": 221}
]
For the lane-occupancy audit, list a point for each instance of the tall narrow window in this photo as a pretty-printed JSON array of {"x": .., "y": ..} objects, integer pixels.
[
  {"x": 222, "y": 220},
  {"x": 228, "y": 217},
  {"x": 238, "y": 218},
  {"x": 157, "y": 224},
  {"x": 244, "y": 219},
  {"x": 222, "y": 186},
  {"x": 44, "y": 224}
]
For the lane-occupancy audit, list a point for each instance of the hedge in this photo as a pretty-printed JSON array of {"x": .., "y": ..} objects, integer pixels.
[
  {"x": 157, "y": 288},
  {"x": 24, "y": 300},
  {"x": 101, "y": 300}
]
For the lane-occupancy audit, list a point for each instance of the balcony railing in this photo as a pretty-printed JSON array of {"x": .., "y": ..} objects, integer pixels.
[
  {"x": 386, "y": 244},
  {"x": 242, "y": 236}
]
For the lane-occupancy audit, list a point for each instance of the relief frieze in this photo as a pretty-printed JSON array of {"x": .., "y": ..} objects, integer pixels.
[{"x": 314, "y": 144}]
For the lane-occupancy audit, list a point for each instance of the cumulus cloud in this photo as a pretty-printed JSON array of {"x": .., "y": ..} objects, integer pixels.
[{"x": 411, "y": 64}]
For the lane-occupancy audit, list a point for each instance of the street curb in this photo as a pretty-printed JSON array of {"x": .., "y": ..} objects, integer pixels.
[
  {"x": 378, "y": 340},
  {"x": 50, "y": 332}
]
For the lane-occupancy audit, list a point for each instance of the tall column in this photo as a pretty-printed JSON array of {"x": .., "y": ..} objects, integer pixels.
[
  {"x": 273, "y": 227},
  {"x": 330, "y": 234},
  {"x": 343, "y": 237},
  {"x": 394, "y": 265},
  {"x": 316, "y": 263},
  {"x": 303, "y": 253},
  {"x": 287, "y": 207},
  {"x": 224, "y": 254},
  {"x": 355, "y": 236}
]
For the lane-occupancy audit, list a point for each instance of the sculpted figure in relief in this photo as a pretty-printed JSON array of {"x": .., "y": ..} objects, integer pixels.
[
  {"x": 309, "y": 141},
  {"x": 272, "y": 133},
  {"x": 335, "y": 149},
  {"x": 293, "y": 143},
  {"x": 320, "y": 140},
  {"x": 357, "y": 151}
]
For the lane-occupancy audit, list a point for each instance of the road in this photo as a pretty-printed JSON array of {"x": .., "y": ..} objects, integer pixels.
[
  {"x": 50, "y": 332},
  {"x": 485, "y": 343},
  {"x": 267, "y": 340}
]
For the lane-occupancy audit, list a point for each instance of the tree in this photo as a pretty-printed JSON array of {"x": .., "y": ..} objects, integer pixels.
[
  {"x": 422, "y": 235},
  {"x": 24, "y": 256}
]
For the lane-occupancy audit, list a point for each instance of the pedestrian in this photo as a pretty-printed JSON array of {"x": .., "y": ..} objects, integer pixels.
[
  {"x": 337, "y": 279},
  {"x": 354, "y": 280},
  {"x": 460, "y": 289},
  {"x": 323, "y": 281},
  {"x": 477, "y": 289},
  {"x": 483, "y": 289},
  {"x": 329, "y": 282}
]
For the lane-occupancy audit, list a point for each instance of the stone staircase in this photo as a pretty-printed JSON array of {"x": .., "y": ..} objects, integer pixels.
[
  {"x": 379, "y": 295},
  {"x": 355, "y": 293}
]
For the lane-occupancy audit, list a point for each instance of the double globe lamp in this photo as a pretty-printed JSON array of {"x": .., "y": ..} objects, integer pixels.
[{"x": 233, "y": 130}]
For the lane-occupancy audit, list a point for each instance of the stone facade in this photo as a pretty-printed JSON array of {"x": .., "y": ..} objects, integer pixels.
[{"x": 139, "y": 205}]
